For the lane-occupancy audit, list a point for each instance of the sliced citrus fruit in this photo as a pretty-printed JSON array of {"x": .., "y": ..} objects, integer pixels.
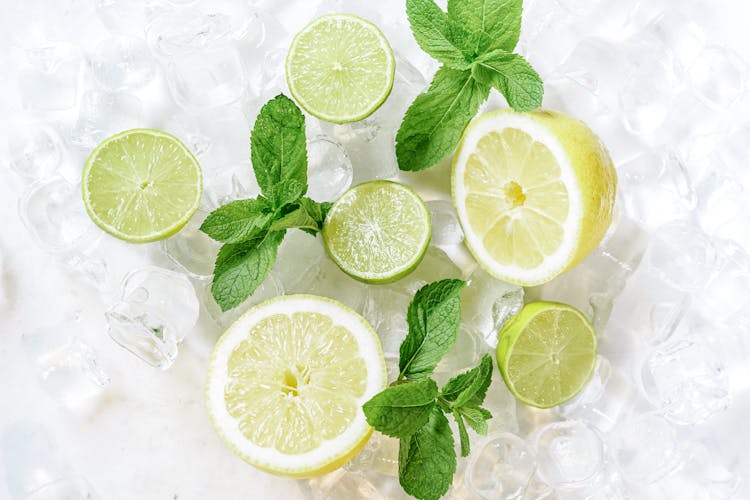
[
  {"x": 547, "y": 353},
  {"x": 286, "y": 384},
  {"x": 141, "y": 185},
  {"x": 534, "y": 193},
  {"x": 378, "y": 231},
  {"x": 340, "y": 68}
]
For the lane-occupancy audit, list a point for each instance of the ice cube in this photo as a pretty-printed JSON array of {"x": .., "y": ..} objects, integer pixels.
[
  {"x": 73, "y": 487},
  {"x": 122, "y": 16},
  {"x": 330, "y": 281},
  {"x": 344, "y": 484},
  {"x": 229, "y": 183},
  {"x": 718, "y": 77},
  {"x": 158, "y": 308},
  {"x": 268, "y": 79},
  {"x": 487, "y": 303},
  {"x": 464, "y": 355},
  {"x": 66, "y": 365},
  {"x": 297, "y": 260},
  {"x": 207, "y": 79},
  {"x": 218, "y": 137},
  {"x": 682, "y": 255},
  {"x": 54, "y": 214},
  {"x": 568, "y": 453},
  {"x": 501, "y": 467},
  {"x": 35, "y": 150},
  {"x": 446, "y": 230},
  {"x": 102, "y": 114},
  {"x": 122, "y": 63},
  {"x": 385, "y": 309},
  {"x": 674, "y": 31},
  {"x": 189, "y": 29},
  {"x": 646, "y": 448},
  {"x": 49, "y": 79},
  {"x": 686, "y": 380},
  {"x": 722, "y": 206},
  {"x": 329, "y": 169},
  {"x": 723, "y": 299},
  {"x": 191, "y": 249}
]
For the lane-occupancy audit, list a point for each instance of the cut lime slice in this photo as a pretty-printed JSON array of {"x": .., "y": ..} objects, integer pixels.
[
  {"x": 286, "y": 384},
  {"x": 547, "y": 353},
  {"x": 141, "y": 185},
  {"x": 378, "y": 231},
  {"x": 340, "y": 68},
  {"x": 534, "y": 193}
]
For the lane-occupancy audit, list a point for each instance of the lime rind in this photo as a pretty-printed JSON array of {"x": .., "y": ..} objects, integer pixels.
[
  {"x": 88, "y": 189},
  {"x": 304, "y": 100},
  {"x": 355, "y": 234},
  {"x": 342, "y": 448},
  {"x": 518, "y": 326}
]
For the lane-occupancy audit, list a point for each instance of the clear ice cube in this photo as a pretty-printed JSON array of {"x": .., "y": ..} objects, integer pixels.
[
  {"x": 122, "y": 16},
  {"x": 230, "y": 183},
  {"x": 568, "y": 453},
  {"x": 158, "y": 308},
  {"x": 329, "y": 169},
  {"x": 186, "y": 30},
  {"x": 35, "y": 150},
  {"x": 647, "y": 448},
  {"x": 191, "y": 249},
  {"x": 344, "y": 484},
  {"x": 722, "y": 206},
  {"x": 718, "y": 77},
  {"x": 487, "y": 303},
  {"x": 49, "y": 79},
  {"x": 297, "y": 260},
  {"x": 66, "y": 365},
  {"x": 686, "y": 380},
  {"x": 330, "y": 281},
  {"x": 271, "y": 287},
  {"x": 54, "y": 214},
  {"x": 102, "y": 114},
  {"x": 446, "y": 230},
  {"x": 122, "y": 63},
  {"x": 500, "y": 467},
  {"x": 207, "y": 79}
]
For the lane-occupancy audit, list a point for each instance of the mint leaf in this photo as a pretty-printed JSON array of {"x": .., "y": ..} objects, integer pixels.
[
  {"x": 238, "y": 221},
  {"x": 241, "y": 267},
  {"x": 433, "y": 317},
  {"x": 511, "y": 75},
  {"x": 463, "y": 436},
  {"x": 432, "y": 32},
  {"x": 500, "y": 19},
  {"x": 402, "y": 409},
  {"x": 278, "y": 151},
  {"x": 427, "y": 460},
  {"x": 434, "y": 122},
  {"x": 469, "y": 388},
  {"x": 476, "y": 418},
  {"x": 308, "y": 215}
]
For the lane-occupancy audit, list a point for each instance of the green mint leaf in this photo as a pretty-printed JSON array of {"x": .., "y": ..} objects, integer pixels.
[
  {"x": 511, "y": 75},
  {"x": 279, "y": 151},
  {"x": 476, "y": 42},
  {"x": 238, "y": 221},
  {"x": 434, "y": 35},
  {"x": 476, "y": 418},
  {"x": 463, "y": 436},
  {"x": 427, "y": 460},
  {"x": 433, "y": 316},
  {"x": 308, "y": 215},
  {"x": 500, "y": 19},
  {"x": 241, "y": 267},
  {"x": 470, "y": 387},
  {"x": 435, "y": 121},
  {"x": 402, "y": 409}
]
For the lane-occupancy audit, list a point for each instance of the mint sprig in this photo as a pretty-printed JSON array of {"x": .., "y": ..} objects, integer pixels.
[
  {"x": 413, "y": 410},
  {"x": 474, "y": 41},
  {"x": 253, "y": 229}
]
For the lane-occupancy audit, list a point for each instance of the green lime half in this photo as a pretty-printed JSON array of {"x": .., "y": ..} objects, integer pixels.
[
  {"x": 141, "y": 185},
  {"x": 340, "y": 68},
  {"x": 378, "y": 231},
  {"x": 547, "y": 353}
]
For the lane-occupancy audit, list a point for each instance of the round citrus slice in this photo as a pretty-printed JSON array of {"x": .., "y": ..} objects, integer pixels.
[
  {"x": 547, "y": 353},
  {"x": 340, "y": 68},
  {"x": 286, "y": 384},
  {"x": 141, "y": 185},
  {"x": 534, "y": 193},
  {"x": 378, "y": 231}
]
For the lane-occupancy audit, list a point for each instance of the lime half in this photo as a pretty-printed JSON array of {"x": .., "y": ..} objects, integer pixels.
[
  {"x": 141, "y": 185},
  {"x": 547, "y": 353},
  {"x": 378, "y": 231},
  {"x": 340, "y": 68},
  {"x": 286, "y": 384}
]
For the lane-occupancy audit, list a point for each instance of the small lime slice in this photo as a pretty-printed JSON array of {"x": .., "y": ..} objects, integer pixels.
[
  {"x": 378, "y": 231},
  {"x": 547, "y": 353},
  {"x": 340, "y": 68},
  {"x": 287, "y": 381},
  {"x": 141, "y": 185}
]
